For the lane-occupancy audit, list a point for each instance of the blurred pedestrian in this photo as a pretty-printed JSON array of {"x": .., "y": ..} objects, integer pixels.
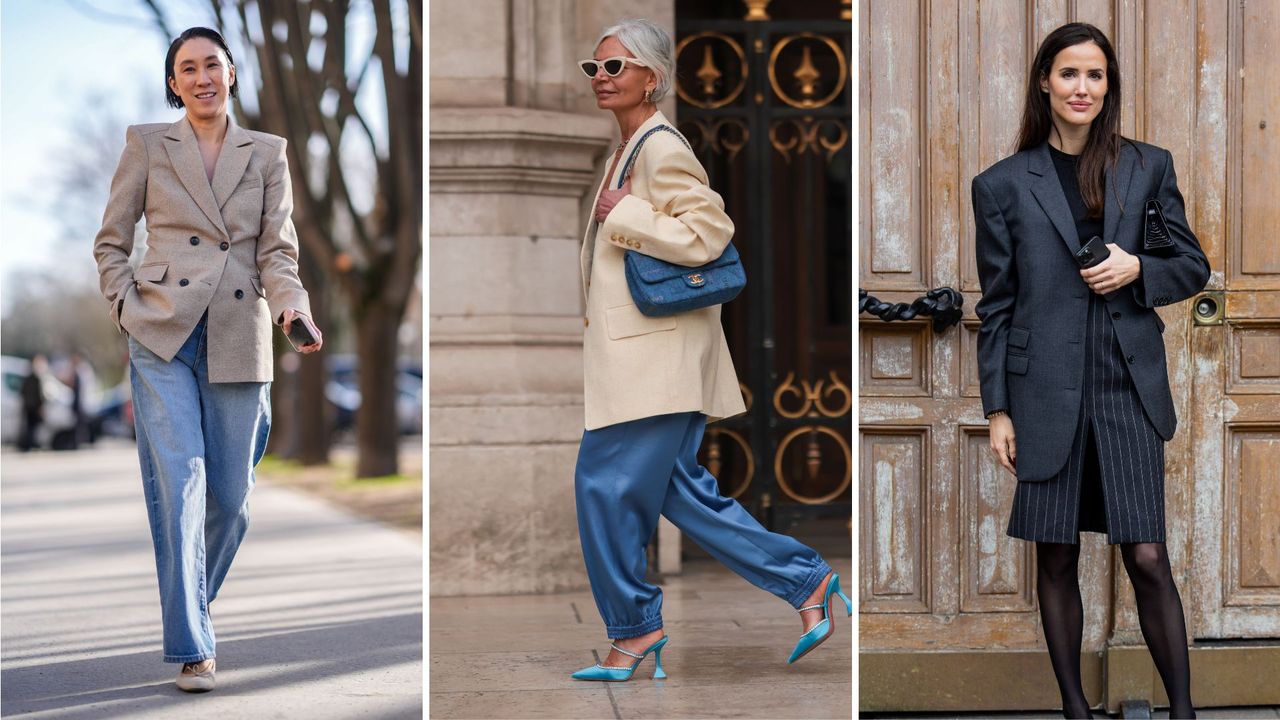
[
  {"x": 653, "y": 383},
  {"x": 81, "y": 380},
  {"x": 32, "y": 404},
  {"x": 221, "y": 268}
]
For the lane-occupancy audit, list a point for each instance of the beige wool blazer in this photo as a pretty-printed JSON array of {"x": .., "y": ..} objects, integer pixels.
[
  {"x": 637, "y": 366},
  {"x": 228, "y": 246}
]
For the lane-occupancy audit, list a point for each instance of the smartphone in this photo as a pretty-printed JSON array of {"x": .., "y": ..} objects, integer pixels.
[
  {"x": 301, "y": 332},
  {"x": 1094, "y": 252}
]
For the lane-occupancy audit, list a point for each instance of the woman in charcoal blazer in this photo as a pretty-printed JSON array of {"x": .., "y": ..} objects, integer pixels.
[
  {"x": 651, "y": 384},
  {"x": 1074, "y": 358},
  {"x": 221, "y": 267}
]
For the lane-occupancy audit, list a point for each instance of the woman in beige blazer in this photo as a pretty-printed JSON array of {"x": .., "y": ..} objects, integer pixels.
[
  {"x": 653, "y": 383},
  {"x": 220, "y": 269}
]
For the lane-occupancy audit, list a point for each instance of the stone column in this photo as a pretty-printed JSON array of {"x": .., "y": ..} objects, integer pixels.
[{"x": 516, "y": 150}]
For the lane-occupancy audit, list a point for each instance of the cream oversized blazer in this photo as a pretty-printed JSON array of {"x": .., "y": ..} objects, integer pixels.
[
  {"x": 637, "y": 366},
  {"x": 228, "y": 246}
]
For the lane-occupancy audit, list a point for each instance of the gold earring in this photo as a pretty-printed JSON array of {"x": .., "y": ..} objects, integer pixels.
[{"x": 646, "y": 95}]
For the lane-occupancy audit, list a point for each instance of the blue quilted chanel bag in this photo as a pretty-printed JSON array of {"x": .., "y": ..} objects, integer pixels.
[{"x": 661, "y": 288}]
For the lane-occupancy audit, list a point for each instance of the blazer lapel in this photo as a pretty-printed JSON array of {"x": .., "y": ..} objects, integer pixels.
[
  {"x": 184, "y": 155},
  {"x": 237, "y": 148},
  {"x": 1120, "y": 179},
  {"x": 1048, "y": 192}
]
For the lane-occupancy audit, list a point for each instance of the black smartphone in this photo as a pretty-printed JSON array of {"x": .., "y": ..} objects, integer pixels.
[
  {"x": 300, "y": 332},
  {"x": 1094, "y": 252}
]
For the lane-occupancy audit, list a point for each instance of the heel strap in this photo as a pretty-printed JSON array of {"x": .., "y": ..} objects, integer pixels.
[
  {"x": 624, "y": 652},
  {"x": 819, "y": 606}
]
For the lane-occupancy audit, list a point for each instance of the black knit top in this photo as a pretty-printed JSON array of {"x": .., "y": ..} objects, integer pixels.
[{"x": 1066, "y": 166}]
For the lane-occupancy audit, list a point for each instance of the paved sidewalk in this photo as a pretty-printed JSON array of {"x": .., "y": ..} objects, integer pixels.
[
  {"x": 511, "y": 656},
  {"x": 320, "y": 616}
]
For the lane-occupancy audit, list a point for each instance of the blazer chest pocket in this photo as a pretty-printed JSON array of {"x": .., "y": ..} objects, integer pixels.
[
  {"x": 152, "y": 272},
  {"x": 627, "y": 321}
]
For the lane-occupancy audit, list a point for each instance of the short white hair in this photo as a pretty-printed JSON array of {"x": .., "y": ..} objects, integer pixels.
[{"x": 651, "y": 44}]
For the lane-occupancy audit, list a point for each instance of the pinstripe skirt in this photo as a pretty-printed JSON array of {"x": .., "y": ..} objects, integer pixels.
[{"x": 1113, "y": 478}]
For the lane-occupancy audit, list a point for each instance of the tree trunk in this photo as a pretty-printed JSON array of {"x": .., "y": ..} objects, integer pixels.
[
  {"x": 313, "y": 421},
  {"x": 377, "y": 432}
]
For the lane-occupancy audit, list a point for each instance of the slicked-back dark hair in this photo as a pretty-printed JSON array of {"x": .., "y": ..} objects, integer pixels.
[
  {"x": 202, "y": 32},
  {"x": 1102, "y": 148}
]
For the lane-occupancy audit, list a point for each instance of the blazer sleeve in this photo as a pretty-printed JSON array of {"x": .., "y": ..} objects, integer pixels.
[
  {"x": 277, "y": 254},
  {"x": 1167, "y": 280},
  {"x": 114, "y": 242},
  {"x": 682, "y": 222},
  {"x": 998, "y": 277}
]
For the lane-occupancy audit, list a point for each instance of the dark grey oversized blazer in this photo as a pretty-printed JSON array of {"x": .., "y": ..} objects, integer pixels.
[{"x": 1030, "y": 343}]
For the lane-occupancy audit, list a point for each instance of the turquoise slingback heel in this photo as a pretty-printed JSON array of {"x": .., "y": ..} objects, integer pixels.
[
  {"x": 619, "y": 674},
  {"x": 820, "y": 632}
]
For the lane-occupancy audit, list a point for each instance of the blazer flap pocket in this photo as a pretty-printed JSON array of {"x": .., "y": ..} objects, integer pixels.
[
  {"x": 627, "y": 321},
  {"x": 153, "y": 272},
  {"x": 256, "y": 282},
  {"x": 1018, "y": 337},
  {"x": 1016, "y": 364}
]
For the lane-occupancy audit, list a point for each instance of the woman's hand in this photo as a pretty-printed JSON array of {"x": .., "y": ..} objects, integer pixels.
[
  {"x": 288, "y": 316},
  {"x": 1119, "y": 269},
  {"x": 610, "y": 198},
  {"x": 1002, "y": 441}
]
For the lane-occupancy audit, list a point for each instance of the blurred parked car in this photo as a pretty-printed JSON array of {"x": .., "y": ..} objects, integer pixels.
[
  {"x": 343, "y": 392},
  {"x": 114, "y": 417},
  {"x": 58, "y": 429}
]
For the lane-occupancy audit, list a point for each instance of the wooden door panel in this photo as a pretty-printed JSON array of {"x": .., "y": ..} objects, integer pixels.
[{"x": 894, "y": 557}]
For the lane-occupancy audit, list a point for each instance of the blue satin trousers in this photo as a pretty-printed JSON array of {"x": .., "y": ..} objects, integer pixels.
[{"x": 630, "y": 473}]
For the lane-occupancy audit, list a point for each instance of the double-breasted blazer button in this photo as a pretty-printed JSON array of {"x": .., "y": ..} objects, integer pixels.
[
  {"x": 586, "y": 322},
  {"x": 225, "y": 245},
  {"x": 1130, "y": 358},
  {"x": 1115, "y": 316},
  {"x": 195, "y": 240},
  {"x": 239, "y": 294},
  {"x": 184, "y": 282}
]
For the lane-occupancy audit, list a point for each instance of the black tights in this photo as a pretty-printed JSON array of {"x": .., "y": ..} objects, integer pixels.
[{"x": 1159, "y": 615}]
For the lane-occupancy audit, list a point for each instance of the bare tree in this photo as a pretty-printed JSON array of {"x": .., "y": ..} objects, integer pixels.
[{"x": 306, "y": 91}]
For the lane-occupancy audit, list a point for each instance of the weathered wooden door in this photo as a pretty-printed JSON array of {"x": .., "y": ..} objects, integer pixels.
[
  {"x": 1235, "y": 425},
  {"x": 948, "y": 613}
]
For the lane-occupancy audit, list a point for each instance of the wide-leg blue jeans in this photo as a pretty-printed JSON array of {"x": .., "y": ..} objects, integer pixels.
[
  {"x": 198, "y": 443},
  {"x": 630, "y": 473}
]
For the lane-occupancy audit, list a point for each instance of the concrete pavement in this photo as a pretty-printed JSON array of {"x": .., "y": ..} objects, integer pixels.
[
  {"x": 511, "y": 656},
  {"x": 320, "y": 616}
]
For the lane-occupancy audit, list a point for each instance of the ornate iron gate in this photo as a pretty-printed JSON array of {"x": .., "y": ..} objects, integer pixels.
[{"x": 766, "y": 104}]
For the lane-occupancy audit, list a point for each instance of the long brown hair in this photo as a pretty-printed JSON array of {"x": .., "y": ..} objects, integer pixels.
[{"x": 1102, "y": 149}]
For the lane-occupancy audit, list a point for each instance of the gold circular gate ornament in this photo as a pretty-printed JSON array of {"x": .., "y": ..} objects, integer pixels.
[
  {"x": 782, "y": 478},
  {"x": 746, "y": 451},
  {"x": 708, "y": 73},
  {"x": 806, "y": 73}
]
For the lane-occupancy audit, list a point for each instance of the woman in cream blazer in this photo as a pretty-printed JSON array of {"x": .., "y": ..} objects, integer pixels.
[
  {"x": 651, "y": 384},
  {"x": 220, "y": 269}
]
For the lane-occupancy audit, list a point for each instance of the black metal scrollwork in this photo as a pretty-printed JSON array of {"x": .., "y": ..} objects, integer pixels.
[{"x": 943, "y": 304}]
